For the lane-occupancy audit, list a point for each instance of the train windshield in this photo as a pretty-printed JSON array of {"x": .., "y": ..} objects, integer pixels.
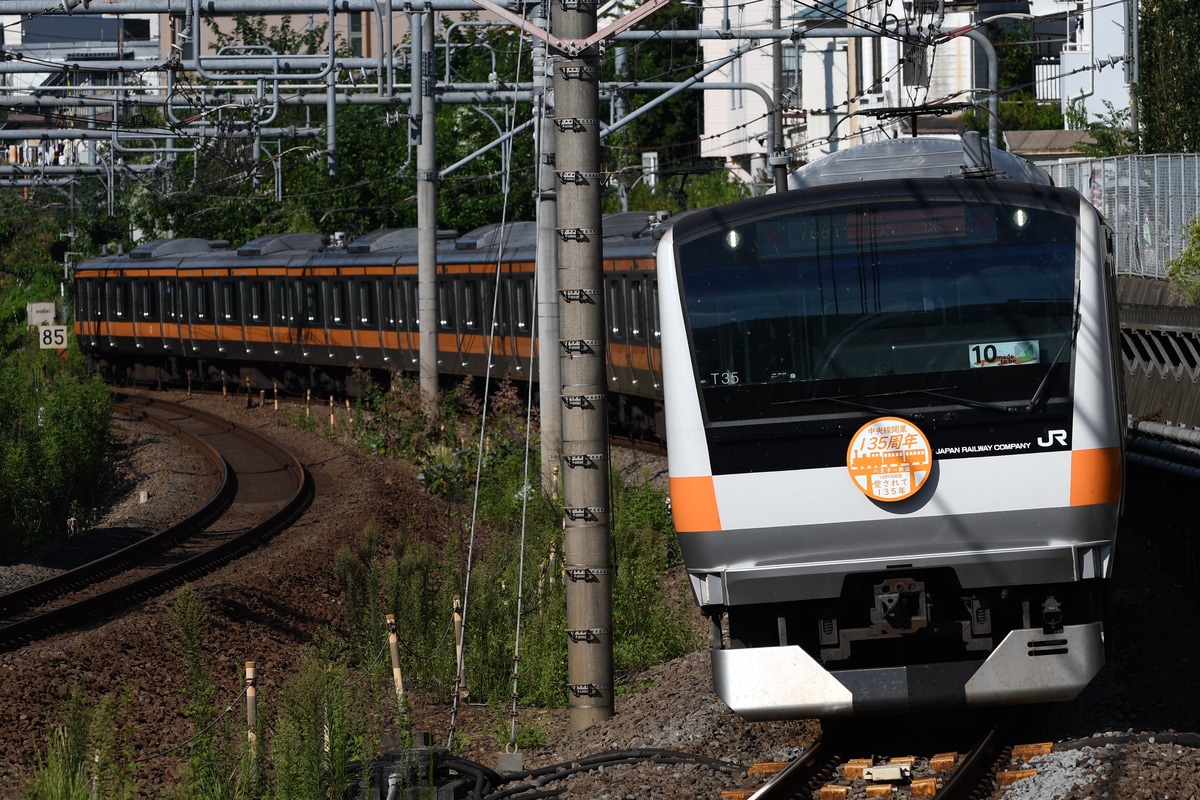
[{"x": 882, "y": 305}]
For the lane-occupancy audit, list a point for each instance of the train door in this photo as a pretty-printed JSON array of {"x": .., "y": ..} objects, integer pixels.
[
  {"x": 279, "y": 318},
  {"x": 514, "y": 325},
  {"x": 89, "y": 309},
  {"x": 386, "y": 289},
  {"x": 405, "y": 320},
  {"x": 231, "y": 335},
  {"x": 619, "y": 360},
  {"x": 171, "y": 332},
  {"x": 471, "y": 340},
  {"x": 638, "y": 334},
  {"x": 654, "y": 335},
  {"x": 339, "y": 334},
  {"x": 147, "y": 333},
  {"x": 446, "y": 321},
  {"x": 368, "y": 333},
  {"x": 201, "y": 318},
  {"x": 308, "y": 326},
  {"x": 120, "y": 315},
  {"x": 256, "y": 315}
]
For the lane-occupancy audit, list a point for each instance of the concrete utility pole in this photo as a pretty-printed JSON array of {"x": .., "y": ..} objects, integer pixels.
[
  {"x": 586, "y": 546},
  {"x": 587, "y": 559},
  {"x": 426, "y": 128},
  {"x": 549, "y": 372}
]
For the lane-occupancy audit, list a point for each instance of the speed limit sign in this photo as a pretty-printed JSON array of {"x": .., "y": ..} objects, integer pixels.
[{"x": 52, "y": 337}]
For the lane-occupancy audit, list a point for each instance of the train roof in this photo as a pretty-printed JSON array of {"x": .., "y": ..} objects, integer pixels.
[
  {"x": 625, "y": 235},
  {"x": 921, "y": 157}
]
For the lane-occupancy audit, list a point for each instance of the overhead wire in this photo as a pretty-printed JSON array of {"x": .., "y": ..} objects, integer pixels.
[{"x": 503, "y": 233}]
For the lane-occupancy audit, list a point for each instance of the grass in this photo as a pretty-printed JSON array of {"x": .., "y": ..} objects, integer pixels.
[{"x": 339, "y": 705}]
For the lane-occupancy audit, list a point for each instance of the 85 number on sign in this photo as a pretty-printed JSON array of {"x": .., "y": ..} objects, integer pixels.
[{"x": 52, "y": 337}]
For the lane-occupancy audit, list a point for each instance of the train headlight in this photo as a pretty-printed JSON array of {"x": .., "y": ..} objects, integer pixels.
[
  {"x": 733, "y": 240},
  {"x": 1020, "y": 219}
]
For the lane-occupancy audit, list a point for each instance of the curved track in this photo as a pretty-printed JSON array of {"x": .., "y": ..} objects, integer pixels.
[{"x": 261, "y": 489}]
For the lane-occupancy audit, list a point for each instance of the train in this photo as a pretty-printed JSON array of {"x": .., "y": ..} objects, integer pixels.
[
  {"x": 890, "y": 396},
  {"x": 298, "y": 312},
  {"x": 895, "y": 432}
]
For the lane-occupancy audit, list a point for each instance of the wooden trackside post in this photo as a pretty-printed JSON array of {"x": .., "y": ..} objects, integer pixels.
[
  {"x": 394, "y": 649},
  {"x": 251, "y": 710},
  {"x": 460, "y": 677}
]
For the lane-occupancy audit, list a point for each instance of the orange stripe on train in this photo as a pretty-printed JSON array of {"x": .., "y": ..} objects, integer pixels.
[
  {"x": 1095, "y": 476},
  {"x": 694, "y": 504}
]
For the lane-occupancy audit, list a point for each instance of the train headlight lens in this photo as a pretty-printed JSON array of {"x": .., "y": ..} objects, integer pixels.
[
  {"x": 733, "y": 240},
  {"x": 1020, "y": 219}
]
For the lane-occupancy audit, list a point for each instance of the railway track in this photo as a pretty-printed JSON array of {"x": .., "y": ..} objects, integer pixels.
[
  {"x": 261, "y": 489},
  {"x": 834, "y": 768}
]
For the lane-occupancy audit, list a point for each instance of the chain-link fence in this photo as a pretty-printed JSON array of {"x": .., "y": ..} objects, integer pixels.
[{"x": 1147, "y": 199}]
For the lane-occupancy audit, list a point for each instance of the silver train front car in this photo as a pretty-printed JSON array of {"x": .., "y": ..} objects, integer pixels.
[{"x": 895, "y": 433}]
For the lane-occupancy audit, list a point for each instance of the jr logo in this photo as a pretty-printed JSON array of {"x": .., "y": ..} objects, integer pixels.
[{"x": 1055, "y": 436}]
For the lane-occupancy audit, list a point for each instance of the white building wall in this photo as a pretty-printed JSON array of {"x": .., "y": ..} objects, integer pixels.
[
  {"x": 1094, "y": 68},
  {"x": 733, "y": 130},
  {"x": 735, "y": 121}
]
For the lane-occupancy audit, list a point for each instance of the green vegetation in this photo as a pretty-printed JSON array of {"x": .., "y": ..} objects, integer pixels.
[
  {"x": 1110, "y": 132},
  {"x": 1184, "y": 270},
  {"x": 86, "y": 758},
  {"x": 339, "y": 705},
  {"x": 1169, "y": 72},
  {"x": 54, "y": 442}
]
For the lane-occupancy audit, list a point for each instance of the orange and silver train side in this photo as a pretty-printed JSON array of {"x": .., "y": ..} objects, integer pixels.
[
  {"x": 895, "y": 433},
  {"x": 297, "y": 311}
]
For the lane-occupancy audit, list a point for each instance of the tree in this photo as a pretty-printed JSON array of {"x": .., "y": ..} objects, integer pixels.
[
  {"x": 670, "y": 129},
  {"x": 1184, "y": 269},
  {"x": 1169, "y": 48},
  {"x": 1111, "y": 134}
]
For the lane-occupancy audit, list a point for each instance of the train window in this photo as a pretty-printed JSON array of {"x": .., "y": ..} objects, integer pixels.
[
  {"x": 202, "y": 302},
  {"x": 258, "y": 301},
  {"x": 652, "y": 308},
  {"x": 170, "y": 300},
  {"x": 410, "y": 316},
  {"x": 615, "y": 310},
  {"x": 387, "y": 296},
  {"x": 229, "y": 305},
  {"x": 280, "y": 305},
  {"x": 312, "y": 301},
  {"x": 882, "y": 302},
  {"x": 337, "y": 300},
  {"x": 446, "y": 305},
  {"x": 521, "y": 300},
  {"x": 120, "y": 301},
  {"x": 147, "y": 305},
  {"x": 470, "y": 305},
  {"x": 366, "y": 304},
  {"x": 637, "y": 311},
  {"x": 86, "y": 301}
]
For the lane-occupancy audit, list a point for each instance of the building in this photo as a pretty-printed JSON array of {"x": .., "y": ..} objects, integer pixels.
[{"x": 846, "y": 74}]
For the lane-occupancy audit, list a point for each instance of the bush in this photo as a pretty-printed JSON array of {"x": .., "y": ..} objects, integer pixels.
[
  {"x": 418, "y": 584},
  {"x": 1184, "y": 269},
  {"x": 55, "y": 447}
]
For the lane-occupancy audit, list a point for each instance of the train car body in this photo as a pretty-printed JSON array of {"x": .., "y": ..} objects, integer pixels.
[
  {"x": 895, "y": 433},
  {"x": 299, "y": 312}
]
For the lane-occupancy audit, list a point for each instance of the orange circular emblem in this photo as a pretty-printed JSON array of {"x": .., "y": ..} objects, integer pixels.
[{"x": 889, "y": 459}]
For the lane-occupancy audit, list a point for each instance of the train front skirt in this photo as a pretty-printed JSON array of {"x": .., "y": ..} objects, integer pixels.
[{"x": 1028, "y": 666}]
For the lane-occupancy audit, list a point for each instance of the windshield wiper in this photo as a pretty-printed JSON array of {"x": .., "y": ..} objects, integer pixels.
[
  {"x": 962, "y": 401},
  {"x": 1040, "y": 392},
  {"x": 842, "y": 401}
]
